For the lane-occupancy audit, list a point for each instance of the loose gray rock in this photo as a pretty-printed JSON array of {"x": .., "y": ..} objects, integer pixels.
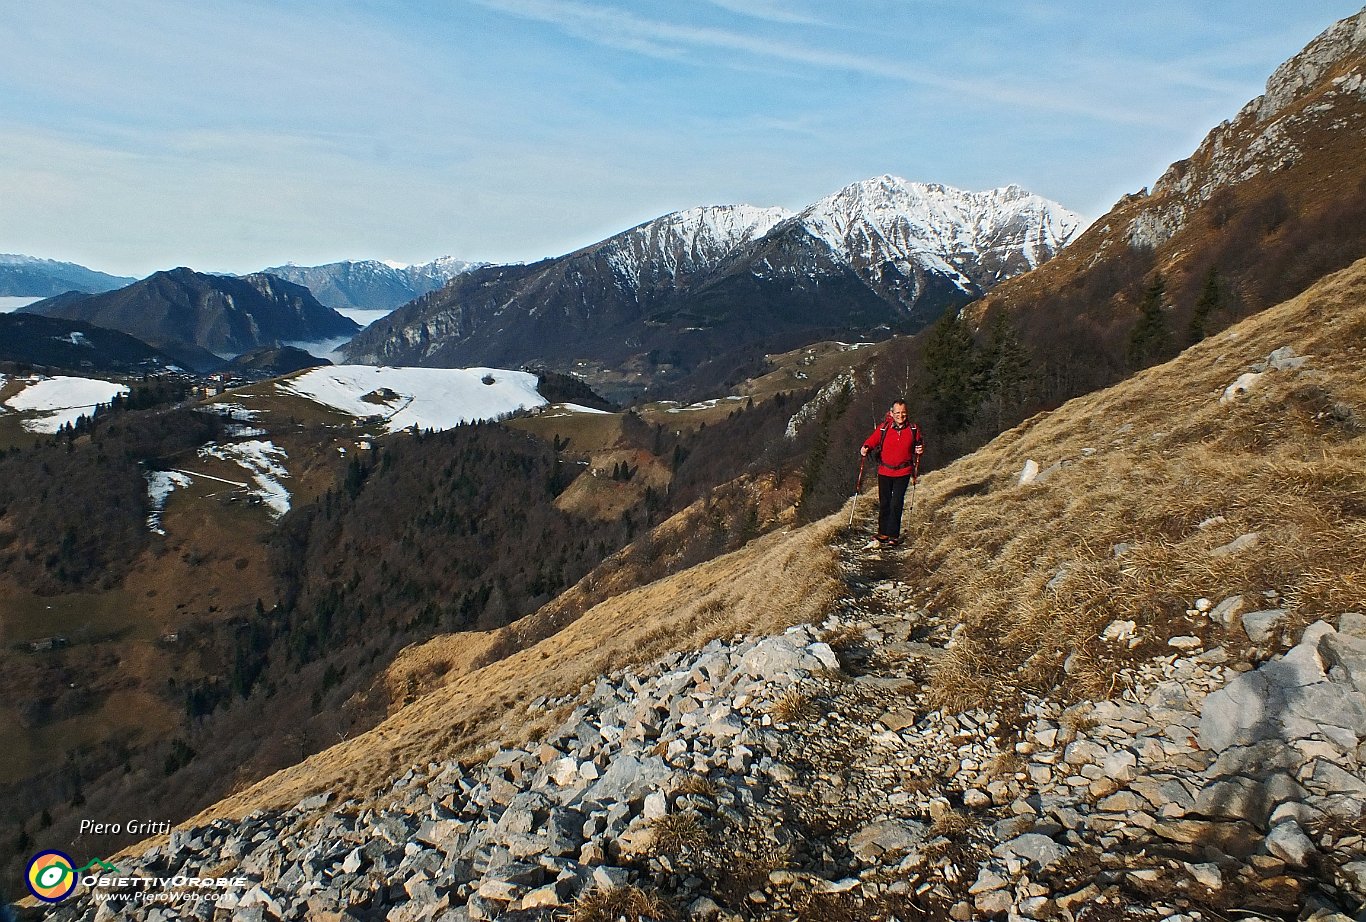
[
  {"x": 1288, "y": 842},
  {"x": 1039, "y": 851},
  {"x": 1261, "y": 625}
]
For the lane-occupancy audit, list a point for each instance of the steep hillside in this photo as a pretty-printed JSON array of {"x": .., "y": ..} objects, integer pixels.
[
  {"x": 1268, "y": 203},
  {"x": 720, "y": 285},
  {"x": 220, "y": 314},
  {"x": 70, "y": 344},
  {"x": 1105, "y": 683}
]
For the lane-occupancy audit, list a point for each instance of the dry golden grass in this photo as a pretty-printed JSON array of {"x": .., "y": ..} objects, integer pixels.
[
  {"x": 613, "y": 904},
  {"x": 1156, "y": 462},
  {"x": 951, "y": 824},
  {"x": 676, "y": 833},
  {"x": 790, "y": 705}
]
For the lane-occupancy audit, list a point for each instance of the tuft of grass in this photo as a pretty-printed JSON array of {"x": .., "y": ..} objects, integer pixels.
[
  {"x": 615, "y": 904},
  {"x": 951, "y": 825},
  {"x": 697, "y": 785},
  {"x": 790, "y": 706},
  {"x": 676, "y": 833}
]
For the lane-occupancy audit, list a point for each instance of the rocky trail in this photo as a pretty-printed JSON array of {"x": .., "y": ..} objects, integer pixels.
[{"x": 804, "y": 776}]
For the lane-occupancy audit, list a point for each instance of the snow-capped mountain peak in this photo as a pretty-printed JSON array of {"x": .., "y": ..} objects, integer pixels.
[
  {"x": 686, "y": 241},
  {"x": 977, "y": 238}
]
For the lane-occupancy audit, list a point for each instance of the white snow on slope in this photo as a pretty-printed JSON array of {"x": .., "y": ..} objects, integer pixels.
[
  {"x": 160, "y": 485},
  {"x": 230, "y": 410},
  {"x": 559, "y": 410},
  {"x": 262, "y": 460},
  {"x": 429, "y": 398},
  {"x": 62, "y": 399},
  {"x": 686, "y": 241},
  {"x": 888, "y": 218}
]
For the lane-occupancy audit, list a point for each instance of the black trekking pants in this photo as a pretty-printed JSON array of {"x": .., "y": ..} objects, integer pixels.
[{"x": 891, "y": 497}]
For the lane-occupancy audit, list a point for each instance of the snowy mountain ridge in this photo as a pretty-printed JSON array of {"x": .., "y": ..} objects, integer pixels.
[
  {"x": 690, "y": 286},
  {"x": 686, "y": 241},
  {"x": 976, "y": 238},
  {"x": 34, "y": 276},
  {"x": 372, "y": 284}
]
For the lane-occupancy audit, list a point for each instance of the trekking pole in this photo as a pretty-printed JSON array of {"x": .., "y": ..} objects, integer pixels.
[{"x": 858, "y": 488}]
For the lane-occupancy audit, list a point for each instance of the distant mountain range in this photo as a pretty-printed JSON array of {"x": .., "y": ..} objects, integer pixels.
[
  {"x": 718, "y": 284},
  {"x": 190, "y": 314},
  {"x": 370, "y": 284},
  {"x": 29, "y": 276}
]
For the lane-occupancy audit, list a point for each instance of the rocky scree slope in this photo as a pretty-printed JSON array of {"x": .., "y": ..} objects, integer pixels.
[
  {"x": 772, "y": 778},
  {"x": 690, "y": 285}
]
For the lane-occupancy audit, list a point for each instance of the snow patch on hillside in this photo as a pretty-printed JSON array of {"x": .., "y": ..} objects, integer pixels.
[
  {"x": 60, "y": 400},
  {"x": 261, "y": 459},
  {"x": 160, "y": 485},
  {"x": 429, "y": 398},
  {"x": 558, "y": 410}
]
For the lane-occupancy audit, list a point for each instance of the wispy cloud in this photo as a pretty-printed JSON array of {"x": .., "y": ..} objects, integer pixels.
[
  {"x": 769, "y": 10},
  {"x": 614, "y": 27}
]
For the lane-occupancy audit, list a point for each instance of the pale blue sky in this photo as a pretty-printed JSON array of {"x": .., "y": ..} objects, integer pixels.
[{"x": 137, "y": 135}]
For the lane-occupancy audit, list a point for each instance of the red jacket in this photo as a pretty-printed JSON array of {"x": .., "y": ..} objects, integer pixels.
[{"x": 901, "y": 448}]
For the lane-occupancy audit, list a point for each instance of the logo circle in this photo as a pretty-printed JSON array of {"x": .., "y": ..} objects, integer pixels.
[{"x": 51, "y": 876}]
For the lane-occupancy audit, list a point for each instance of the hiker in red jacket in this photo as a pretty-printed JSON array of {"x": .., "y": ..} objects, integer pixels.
[{"x": 899, "y": 446}]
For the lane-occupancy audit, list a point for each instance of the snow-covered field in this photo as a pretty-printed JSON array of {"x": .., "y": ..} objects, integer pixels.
[
  {"x": 262, "y": 460},
  {"x": 9, "y": 303},
  {"x": 429, "y": 398},
  {"x": 62, "y": 399}
]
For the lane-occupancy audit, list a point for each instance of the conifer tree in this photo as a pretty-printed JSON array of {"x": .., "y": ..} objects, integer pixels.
[
  {"x": 1004, "y": 369},
  {"x": 1150, "y": 339},
  {"x": 1210, "y": 300},
  {"x": 948, "y": 372}
]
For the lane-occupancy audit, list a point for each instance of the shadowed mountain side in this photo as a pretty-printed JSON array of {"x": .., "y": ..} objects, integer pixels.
[
  {"x": 70, "y": 344},
  {"x": 1270, "y": 202}
]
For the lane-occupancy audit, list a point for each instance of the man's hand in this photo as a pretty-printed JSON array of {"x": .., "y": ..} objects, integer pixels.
[{"x": 863, "y": 452}]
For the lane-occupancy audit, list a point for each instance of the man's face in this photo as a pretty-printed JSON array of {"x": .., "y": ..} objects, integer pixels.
[{"x": 899, "y": 413}]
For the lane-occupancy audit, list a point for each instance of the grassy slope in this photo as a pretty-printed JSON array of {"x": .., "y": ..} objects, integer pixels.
[{"x": 1147, "y": 461}]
